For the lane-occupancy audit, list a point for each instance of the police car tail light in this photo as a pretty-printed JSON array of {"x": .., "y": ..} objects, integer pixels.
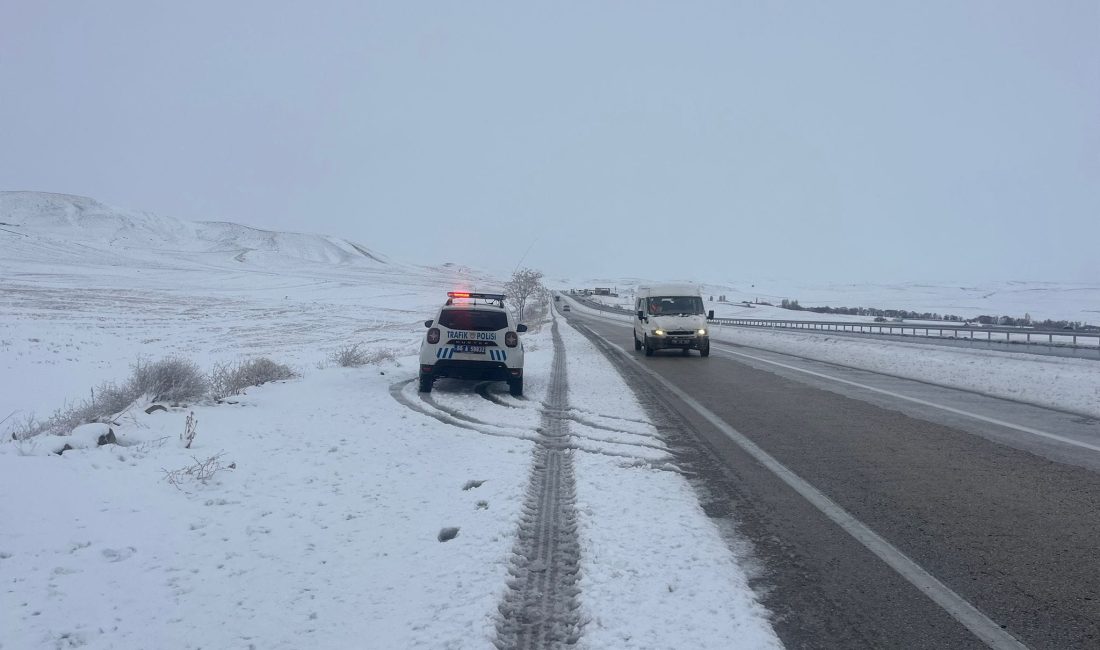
[
  {"x": 511, "y": 339},
  {"x": 433, "y": 335}
]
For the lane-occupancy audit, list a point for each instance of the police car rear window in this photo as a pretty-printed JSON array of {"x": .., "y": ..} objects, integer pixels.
[{"x": 476, "y": 320}]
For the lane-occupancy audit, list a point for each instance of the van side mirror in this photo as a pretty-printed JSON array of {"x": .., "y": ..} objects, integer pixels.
[
  {"x": 641, "y": 315},
  {"x": 710, "y": 315},
  {"x": 428, "y": 323},
  {"x": 521, "y": 328}
]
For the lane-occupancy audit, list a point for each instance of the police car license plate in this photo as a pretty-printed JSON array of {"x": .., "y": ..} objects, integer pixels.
[
  {"x": 470, "y": 349},
  {"x": 681, "y": 341}
]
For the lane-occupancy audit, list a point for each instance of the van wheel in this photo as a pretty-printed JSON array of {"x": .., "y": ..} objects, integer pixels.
[
  {"x": 687, "y": 351},
  {"x": 426, "y": 384},
  {"x": 705, "y": 351},
  {"x": 515, "y": 387},
  {"x": 648, "y": 348},
  {"x": 637, "y": 343}
]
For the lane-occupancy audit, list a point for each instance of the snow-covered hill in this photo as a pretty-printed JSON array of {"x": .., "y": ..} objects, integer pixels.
[
  {"x": 86, "y": 289},
  {"x": 47, "y": 220}
]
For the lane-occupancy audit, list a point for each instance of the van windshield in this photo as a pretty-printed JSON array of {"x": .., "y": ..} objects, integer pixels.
[{"x": 672, "y": 305}]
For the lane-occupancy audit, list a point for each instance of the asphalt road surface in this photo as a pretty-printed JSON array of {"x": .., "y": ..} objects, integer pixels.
[
  {"x": 973, "y": 339},
  {"x": 883, "y": 512}
]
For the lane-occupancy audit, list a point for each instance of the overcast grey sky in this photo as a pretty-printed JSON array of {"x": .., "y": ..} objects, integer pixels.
[{"x": 847, "y": 141}]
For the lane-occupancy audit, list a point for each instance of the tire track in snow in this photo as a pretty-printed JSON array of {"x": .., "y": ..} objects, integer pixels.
[
  {"x": 572, "y": 414},
  {"x": 540, "y": 608},
  {"x": 453, "y": 417},
  {"x": 397, "y": 391}
]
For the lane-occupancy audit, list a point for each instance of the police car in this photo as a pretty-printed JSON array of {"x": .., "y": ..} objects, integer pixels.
[{"x": 473, "y": 337}]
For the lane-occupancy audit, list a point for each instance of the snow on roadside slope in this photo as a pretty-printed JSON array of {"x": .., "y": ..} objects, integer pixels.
[
  {"x": 655, "y": 571},
  {"x": 324, "y": 535},
  {"x": 325, "y": 532},
  {"x": 1057, "y": 382}
]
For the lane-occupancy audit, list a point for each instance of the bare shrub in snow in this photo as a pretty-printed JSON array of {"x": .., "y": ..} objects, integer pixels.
[
  {"x": 25, "y": 427},
  {"x": 109, "y": 400},
  {"x": 142, "y": 448},
  {"x": 232, "y": 378},
  {"x": 350, "y": 356},
  {"x": 201, "y": 471},
  {"x": 355, "y": 355},
  {"x": 188, "y": 434},
  {"x": 104, "y": 403},
  {"x": 171, "y": 379}
]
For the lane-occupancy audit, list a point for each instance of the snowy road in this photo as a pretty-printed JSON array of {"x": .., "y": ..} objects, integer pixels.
[
  {"x": 991, "y": 516},
  {"x": 351, "y": 511}
]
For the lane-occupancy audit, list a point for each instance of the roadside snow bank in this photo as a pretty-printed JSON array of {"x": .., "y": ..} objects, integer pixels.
[
  {"x": 1057, "y": 382},
  {"x": 320, "y": 527},
  {"x": 655, "y": 571}
]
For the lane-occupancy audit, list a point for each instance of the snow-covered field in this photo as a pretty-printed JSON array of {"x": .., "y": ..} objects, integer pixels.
[
  {"x": 322, "y": 522},
  {"x": 1042, "y": 300},
  {"x": 86, "y": 290}
]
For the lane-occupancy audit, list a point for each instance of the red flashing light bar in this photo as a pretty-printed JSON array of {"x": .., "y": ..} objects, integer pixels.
[{"x": 481, "y": 296}]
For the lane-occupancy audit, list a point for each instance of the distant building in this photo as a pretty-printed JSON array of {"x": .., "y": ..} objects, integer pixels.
[{"x": 602, "y": 291}]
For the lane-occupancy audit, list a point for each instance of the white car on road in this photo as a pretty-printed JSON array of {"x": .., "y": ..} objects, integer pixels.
[{"x": 473, "y": 337}]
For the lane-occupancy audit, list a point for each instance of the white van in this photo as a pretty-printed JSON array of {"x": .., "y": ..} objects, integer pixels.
[{"x": 670, "y": 317}]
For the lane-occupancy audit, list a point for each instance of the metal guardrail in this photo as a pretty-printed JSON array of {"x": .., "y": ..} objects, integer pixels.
[
  {"x": 598, "y": 305},
  {"x": 1016, "y": 335},
  {"x": 1070, "y": 338}
]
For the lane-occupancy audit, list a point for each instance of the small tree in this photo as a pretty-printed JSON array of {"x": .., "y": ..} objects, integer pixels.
[{"x": 524, "y": 289}]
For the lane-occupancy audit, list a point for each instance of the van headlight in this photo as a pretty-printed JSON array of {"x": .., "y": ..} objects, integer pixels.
[
  {"x": 702, "y": 332},
  {"x": 658, "y": 332}
]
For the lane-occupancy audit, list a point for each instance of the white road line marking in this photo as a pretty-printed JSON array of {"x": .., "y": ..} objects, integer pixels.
[
  {"x": 917, "y": 400},
  {"x": 955, "y": 605}
]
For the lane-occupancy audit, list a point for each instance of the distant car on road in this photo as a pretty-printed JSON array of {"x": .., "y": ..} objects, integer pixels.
[{"x": 566, "y": 308}]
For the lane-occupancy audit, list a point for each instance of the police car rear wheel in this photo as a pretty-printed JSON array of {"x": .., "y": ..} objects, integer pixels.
[
  {"x": 515, "y": 387},
  {"x": 426, "y": 384}
]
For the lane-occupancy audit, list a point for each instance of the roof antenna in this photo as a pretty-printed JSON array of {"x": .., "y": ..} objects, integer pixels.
[{"x": 529, "y": 246}]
